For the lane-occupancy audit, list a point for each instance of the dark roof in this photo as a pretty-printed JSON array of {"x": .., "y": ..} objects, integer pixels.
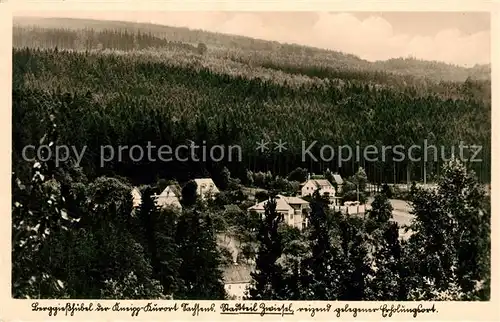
[{"x": 321, "y": 182}]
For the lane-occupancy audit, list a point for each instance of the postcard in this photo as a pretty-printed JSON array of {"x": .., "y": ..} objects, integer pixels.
[{"x": 220, "y": 161}]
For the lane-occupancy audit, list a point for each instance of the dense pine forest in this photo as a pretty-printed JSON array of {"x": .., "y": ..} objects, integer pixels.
[
  {"x": 170, "y": 93},
  {"x": 76, "y": 233}
]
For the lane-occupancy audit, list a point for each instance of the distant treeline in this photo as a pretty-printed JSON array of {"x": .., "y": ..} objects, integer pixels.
[
  {"x": 107, "y": 99},
  {"x": 90, "y": 39},
  {"x": 264, "y": 52}
]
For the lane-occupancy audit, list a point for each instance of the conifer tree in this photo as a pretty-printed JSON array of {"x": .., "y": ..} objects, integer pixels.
[
  {"x": 38, "y": 213},
  {"x": 225, "y": 178},
  {"x": 355, "y": 251},
  {"x": 452, "y": 227},
  {"x": 387, "y": 190},
  {"x": 268, "y": 279},
  {"x": 321, "y": 269},
  {"x": 189, "y": 195},
  {"x": 156, "y": 229},
  {"x": 387, "y": 280},
  {"x": 199, "y": 270},
  {"x": 381, "y": 210}
]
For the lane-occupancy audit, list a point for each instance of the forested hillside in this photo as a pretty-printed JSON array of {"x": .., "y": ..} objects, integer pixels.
[
  {"x": 258, "y": 52},
  {"x": 77, "y": 234},
  {"x": 167, "y": 97}
]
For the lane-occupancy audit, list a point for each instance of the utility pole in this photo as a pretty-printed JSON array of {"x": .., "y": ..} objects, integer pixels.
[
  {"x": 425, "y": 173},
  {"x": 357, "y": 191}
]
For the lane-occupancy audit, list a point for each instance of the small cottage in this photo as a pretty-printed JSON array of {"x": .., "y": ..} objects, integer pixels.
[
  {"x": 206, "y": 187},
  {"x": 237, "y": 280},
  {"x": 169, "y": 197}
]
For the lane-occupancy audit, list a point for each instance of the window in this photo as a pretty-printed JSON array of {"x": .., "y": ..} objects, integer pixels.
[
  {"x": 291, "y": 216},
  {"x": 229, "y": 287},
  {"x": 239, "y": 287}
]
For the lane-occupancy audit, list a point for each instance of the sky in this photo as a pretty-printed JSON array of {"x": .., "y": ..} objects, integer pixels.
[{"x": 452, "y": 37}]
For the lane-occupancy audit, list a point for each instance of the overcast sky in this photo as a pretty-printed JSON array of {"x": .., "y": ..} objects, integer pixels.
[{"x": 452, "y": 37}]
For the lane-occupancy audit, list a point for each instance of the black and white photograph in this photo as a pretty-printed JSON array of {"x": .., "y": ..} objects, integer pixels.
[{"x": 251, "y": 156}]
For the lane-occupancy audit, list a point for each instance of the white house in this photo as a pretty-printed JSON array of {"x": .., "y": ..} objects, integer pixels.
[
  {"x": 137, "y": 198},
  {"x": 282, "y": 207},
  {"x": 311, "y": 185},
  {"x": 325, "y": 188},
  {"x": 206, "y": 187},
  {"x": 293, "y": 209},
  {"x": 237, "y": 280},
  {"x": 301, "y": 210},
  {"x": 169, "y": 197}
]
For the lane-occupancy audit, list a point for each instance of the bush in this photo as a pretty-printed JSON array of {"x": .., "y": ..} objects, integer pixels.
[
  {"x": 386, "y": 190},
  {"x": 299, "y": 174}
]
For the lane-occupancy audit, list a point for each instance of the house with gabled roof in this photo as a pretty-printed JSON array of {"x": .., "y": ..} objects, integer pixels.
[
  {"x": 237, "y": 280},
  {"x": 136, "y": 197},
  {"x": 293, "y": 209},
  {"x": 311, "y": 185},
  {"x": 324, "y": 186},
  {"x": 281, "y": 206},
  {"x": 301, "y": 210},
  {"x": 169, "y": 197},
  {"x": 206, "y": 187}
]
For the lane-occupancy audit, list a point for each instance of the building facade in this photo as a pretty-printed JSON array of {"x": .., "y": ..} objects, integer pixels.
[
  {"x": 325, "y": 189},
  {"x": 206, "y": 188},
  {"x": 169, "y": 197},
  {"x": 136, "y": 197},
  {"x": 237, "y": 280},
  {"x": 293, "y": 209}
]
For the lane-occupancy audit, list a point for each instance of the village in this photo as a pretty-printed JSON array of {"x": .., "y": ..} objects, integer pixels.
[
  {"x": 294, "y": 208},
  {"x": 302, "y": 171}
]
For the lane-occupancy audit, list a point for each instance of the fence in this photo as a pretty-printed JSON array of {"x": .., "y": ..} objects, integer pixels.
[{"x": 351, "y": 210}]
